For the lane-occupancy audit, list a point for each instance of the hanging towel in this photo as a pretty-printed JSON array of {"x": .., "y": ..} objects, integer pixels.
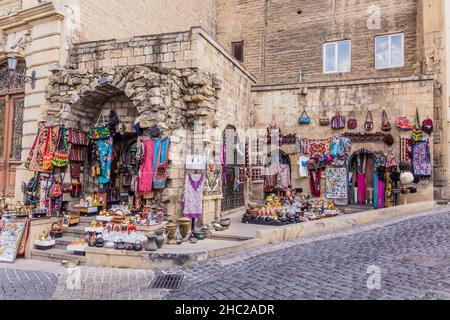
[
  {"x": 105, "y": 148},
  {"x": 146, "y": 171}
]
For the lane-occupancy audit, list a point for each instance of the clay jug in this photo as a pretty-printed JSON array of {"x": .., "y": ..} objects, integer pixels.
[
  {"x": 159, "y": 238},
  {"x": 171, "y": 228},
  {"x": 185, "y": 226},
  {"x": 151, "y": 243}
]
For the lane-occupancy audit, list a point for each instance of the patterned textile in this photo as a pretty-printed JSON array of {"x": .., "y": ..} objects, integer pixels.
[
  {"x": 146, "y": 171},
  {"x": 193, "y": 195},
  {"x": 318, "y": 149},
  {"x": 37, "y": 152},
  {"x": 314, "y": 181},
  {"x": 422, "y": 159},
  {"x": 284, "y": 176},
  {"x": 270, "y": 177},
  {"x": 105, "y": 154},
  {"x": 336, "y": 183}
]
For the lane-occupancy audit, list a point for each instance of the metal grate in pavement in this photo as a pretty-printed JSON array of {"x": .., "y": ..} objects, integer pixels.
[
  {"x": 427, "y": 261},
  {"x": 167, "y": 281}
]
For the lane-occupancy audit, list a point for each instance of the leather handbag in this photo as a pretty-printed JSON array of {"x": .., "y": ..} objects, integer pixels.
[
  {"x": 368, "y": 125},
  {"x": 338, "y": 121},
  {"x": 304, "y": 118},
  {"x": 352, "y": 123},
  {"x": 385, "y": 124},
  {"x": 427, "y": 125},
  {"x": 324, "y": 120}
]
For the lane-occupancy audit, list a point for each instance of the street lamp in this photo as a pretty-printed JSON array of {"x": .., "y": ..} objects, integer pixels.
[{"x": 12, "y": 66}]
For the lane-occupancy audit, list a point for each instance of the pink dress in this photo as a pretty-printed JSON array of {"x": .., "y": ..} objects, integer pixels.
[
  {"x": 361, "y": 188},
  {"x": 146, "y": 171}
]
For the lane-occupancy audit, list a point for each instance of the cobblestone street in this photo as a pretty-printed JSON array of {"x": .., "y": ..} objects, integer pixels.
[{"x": 411, "y": 254}]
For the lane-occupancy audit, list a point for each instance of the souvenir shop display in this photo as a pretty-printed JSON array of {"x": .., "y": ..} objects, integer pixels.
[
  {"x": 10, "y": 237},
  {"x": 289, "y": 207},
  {"x": 45, "y": 242},
  {"x": 78, "y": 247}
]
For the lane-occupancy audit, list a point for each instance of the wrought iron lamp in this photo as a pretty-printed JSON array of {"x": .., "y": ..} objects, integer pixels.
[{"x": 12, "y": 66}]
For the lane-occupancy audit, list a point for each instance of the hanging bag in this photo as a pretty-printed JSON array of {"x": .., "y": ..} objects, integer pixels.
[
  {"x": 101, "y": 129},
  {"x": 352, "y": 123},
  {"x": 404, "y": 123},
  {"x": 427, "y": 125},
  {"x": 47, "y": 158},
  {"x": 77, "y": 137},
  {"x": 61, "y": 157},
  {"x": 338, "y": 121},
  {"x": 416, "y": 134},
  {"x": 55, "y": 189},
  {"x": 368, "y": 125},
  {"x": 304, "y": 118},
  {"x": 324, "y": 120},
  {"x": 385, "y": 124}
]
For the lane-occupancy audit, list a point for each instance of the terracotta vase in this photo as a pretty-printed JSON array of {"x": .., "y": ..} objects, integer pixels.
[
  {"x": 171, "y": 228},
  {"x": 159, "y": 238},
  {"x": 185, "y": 226}
]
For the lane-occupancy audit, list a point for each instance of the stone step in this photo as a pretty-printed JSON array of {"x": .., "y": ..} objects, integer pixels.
[{"x": 56, "y": 255}]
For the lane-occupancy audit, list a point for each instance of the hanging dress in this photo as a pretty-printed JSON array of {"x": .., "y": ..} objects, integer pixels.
[
  {"x": 193, "y": 195},
  {"x": 105, "y": 148},
  {"x": 314, "y": 182},
  {"x": 375, "y": 190},
  {"x": 146, "y": 171},
  {"x": 361, "y": 178}
]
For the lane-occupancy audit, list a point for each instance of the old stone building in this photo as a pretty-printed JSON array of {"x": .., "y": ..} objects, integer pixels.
[{"x": 231, "y": 64}]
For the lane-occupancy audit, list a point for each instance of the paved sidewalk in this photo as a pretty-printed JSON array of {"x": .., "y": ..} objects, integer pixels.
[{"x": 330, "y": 266}]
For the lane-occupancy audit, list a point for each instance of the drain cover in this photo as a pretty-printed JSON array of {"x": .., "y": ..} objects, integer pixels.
[
  {"x": 167, "y": 281},
  {"x": 427, "y": 261}
]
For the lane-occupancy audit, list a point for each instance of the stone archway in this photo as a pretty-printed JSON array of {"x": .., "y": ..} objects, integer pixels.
[{"x": 172, "y": 99}]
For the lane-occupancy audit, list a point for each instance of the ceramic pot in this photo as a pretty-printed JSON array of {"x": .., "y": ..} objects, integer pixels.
[
  {"x": 159, "y": 238},
  {"x": 138, "y": 246},
  {"x": 151, "y": 243},
  {"x": 109, "y": 245},
  {"x": 185, "y": 226},
  {"x": 171, "y": 229}
]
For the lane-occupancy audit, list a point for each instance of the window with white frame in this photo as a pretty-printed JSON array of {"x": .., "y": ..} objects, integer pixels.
[
  {"x": 337, "y": 56},
  {"x": 389, "y": 51}
]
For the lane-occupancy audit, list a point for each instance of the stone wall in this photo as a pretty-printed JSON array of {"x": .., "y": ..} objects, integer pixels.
[
  {"x": 142, "y": 17},
  {"x": 278, "y": 41},
  {"x": 396, "y": 95}
]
